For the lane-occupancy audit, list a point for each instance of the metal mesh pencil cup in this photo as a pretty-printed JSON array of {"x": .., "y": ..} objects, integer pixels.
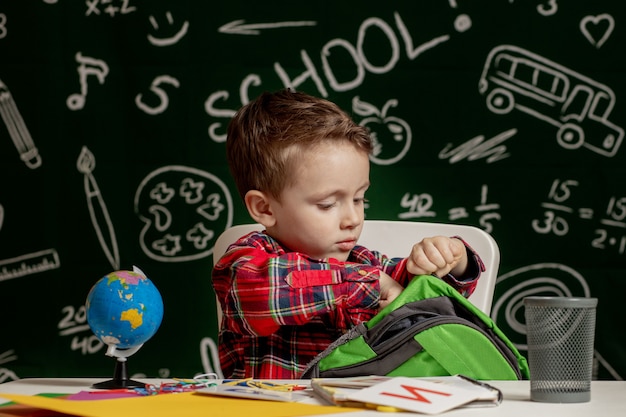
[{"x": 560, "y": 334}]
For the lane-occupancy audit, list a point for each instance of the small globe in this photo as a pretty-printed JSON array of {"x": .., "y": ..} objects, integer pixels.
[{"x": 124, "y": 309}]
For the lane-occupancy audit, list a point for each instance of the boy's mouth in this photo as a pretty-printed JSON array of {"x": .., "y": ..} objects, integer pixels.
[{"x": 346, "y": 245}]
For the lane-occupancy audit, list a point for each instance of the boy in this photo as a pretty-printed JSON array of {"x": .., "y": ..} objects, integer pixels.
[{"x": 301, "y": 166}]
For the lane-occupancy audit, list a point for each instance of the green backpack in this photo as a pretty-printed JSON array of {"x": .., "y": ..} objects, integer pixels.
[{"x": 428, "y": 330}]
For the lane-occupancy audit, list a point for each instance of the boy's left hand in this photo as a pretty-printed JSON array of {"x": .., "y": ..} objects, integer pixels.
[{"x": 439, "y": 256}]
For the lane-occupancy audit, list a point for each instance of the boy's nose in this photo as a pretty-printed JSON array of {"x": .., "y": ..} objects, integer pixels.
[{"x": 351, "y": 217}]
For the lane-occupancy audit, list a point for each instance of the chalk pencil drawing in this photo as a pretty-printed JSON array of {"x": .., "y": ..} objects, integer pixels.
[
  {"x": 602, "y": 24},
  {"x": 514, "y": 78},
  {"x": 98, "y": 212},
  {"x": 17, "y": 129},
  {"x": 183, "y": 209},
  {"x": 173, "y": 38}
]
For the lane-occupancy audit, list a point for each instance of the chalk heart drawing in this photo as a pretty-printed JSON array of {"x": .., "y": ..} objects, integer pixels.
[
  {"x": 592, "y": 26},
  {"x": 184, "y": 210}
]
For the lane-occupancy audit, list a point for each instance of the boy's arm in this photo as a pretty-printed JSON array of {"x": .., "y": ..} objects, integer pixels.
[{"x": 260, "y": 291}]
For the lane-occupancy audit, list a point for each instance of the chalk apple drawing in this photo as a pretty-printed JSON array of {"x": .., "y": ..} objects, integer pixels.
[{"x": 391, "y": 135}]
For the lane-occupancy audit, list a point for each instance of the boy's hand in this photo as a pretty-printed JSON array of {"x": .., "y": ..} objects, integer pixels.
[
  {"x": 437, "y": 256},
  {"x": 389, "y": 290}
]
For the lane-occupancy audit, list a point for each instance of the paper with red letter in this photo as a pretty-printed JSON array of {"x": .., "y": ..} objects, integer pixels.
[{"x": 416, "y": 395}]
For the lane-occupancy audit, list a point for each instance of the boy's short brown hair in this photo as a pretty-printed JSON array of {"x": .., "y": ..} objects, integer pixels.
[{"x": 266, "y": 136}]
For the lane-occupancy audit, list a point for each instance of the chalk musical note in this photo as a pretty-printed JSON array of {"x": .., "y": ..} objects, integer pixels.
[
  {"x": 17, "y": 129},
  {"x": 97, "y": 208},
  {"x": 88, "y": 66}
]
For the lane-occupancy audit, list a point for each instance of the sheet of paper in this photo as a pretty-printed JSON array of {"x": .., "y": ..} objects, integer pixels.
[
  {"x": 168, "y": 405},
  {"x": 416, "y": 395}
]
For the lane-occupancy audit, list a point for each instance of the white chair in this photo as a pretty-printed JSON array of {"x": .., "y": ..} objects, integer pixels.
[{"x": 395, "y": 239}]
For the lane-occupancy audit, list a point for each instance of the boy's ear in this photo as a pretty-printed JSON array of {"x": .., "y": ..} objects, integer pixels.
[{"x": 258, "y": 205}]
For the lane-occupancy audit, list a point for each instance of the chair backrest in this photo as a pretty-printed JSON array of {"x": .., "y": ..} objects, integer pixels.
[{"x": 395, "y": 239}]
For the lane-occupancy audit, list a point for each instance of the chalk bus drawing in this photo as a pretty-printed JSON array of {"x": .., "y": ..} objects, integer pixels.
[{"x": 514, "y": 78}]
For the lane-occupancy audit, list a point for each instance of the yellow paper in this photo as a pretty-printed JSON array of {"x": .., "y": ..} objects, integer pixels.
[{"x": 168, "y": 405}]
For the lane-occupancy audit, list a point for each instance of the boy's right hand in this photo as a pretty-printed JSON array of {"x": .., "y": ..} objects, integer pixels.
[{"x": 389, "y": 290}]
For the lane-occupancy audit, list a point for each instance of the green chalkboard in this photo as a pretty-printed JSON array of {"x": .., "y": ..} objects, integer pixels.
[{"x": 507, "y": 115}]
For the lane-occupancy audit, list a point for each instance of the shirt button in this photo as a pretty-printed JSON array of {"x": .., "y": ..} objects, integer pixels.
[{"x": 362, "y": 272}]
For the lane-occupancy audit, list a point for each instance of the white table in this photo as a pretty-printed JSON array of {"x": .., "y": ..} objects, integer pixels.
[{"x": 608, "y": 399}]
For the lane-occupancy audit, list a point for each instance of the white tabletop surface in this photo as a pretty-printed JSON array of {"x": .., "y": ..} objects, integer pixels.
[{"x": 608, "y": 398}]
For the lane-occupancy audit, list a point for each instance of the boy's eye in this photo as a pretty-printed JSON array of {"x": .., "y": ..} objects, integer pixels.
[
  {"x": 361, "y": 200},
  {"x": 325, "y": 206}
]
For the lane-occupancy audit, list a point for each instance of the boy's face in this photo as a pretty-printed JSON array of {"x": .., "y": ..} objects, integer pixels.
[{"x": 321, "y": 213}]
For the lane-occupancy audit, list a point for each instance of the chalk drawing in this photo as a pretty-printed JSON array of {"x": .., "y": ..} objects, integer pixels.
[
  {"x": 98, "y": 211},
  {"x": 87, "y": 66},
  {"x": 17, "y": 129},
  {"x": 30, "y": 263},
  {"x": 391, "y": 135},
  {"x": 173, "y": 38},
  {"x": 184, "y": 210},
  {"x": 592, "y": 24},
  {"x": 155, "y": 87},
  {"x": 514, "y": 78}
]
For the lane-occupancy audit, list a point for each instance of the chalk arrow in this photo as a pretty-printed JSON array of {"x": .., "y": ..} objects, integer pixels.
[{"x": 237, "y": 27}]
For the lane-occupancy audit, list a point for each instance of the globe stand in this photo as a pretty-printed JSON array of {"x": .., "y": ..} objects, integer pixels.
[{"x": 120, "y": 374}]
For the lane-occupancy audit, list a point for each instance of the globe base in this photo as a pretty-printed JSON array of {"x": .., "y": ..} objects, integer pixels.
[{"x": 120, "y": 378}]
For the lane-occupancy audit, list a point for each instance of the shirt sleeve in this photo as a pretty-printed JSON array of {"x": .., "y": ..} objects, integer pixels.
[
  {"x": 261, "y": 287},
  {"x": 466, "y": 284}
]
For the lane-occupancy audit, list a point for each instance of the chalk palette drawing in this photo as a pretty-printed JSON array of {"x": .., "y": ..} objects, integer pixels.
[
  {"x": 29, "y": 263},
  {"x": 514, "y": 78},
  {"x": 155, "y": 87},
  {"x": 391, "y": 135},
  {"x": 98, "y": 212},
  {"x": 184, "y": 210},
  {"x": 597, "y": 29},
  {"x": 541, "y": 279},
  {"x": 172, "y": 37},
  {"x": 86, "y": 66},
  {"x": 17, "y": 129},
  {"x": 476, "y": 148}
]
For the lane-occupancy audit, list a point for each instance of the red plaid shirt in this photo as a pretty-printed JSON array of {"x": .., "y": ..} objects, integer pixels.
[{"x": 280, "y": 309}]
